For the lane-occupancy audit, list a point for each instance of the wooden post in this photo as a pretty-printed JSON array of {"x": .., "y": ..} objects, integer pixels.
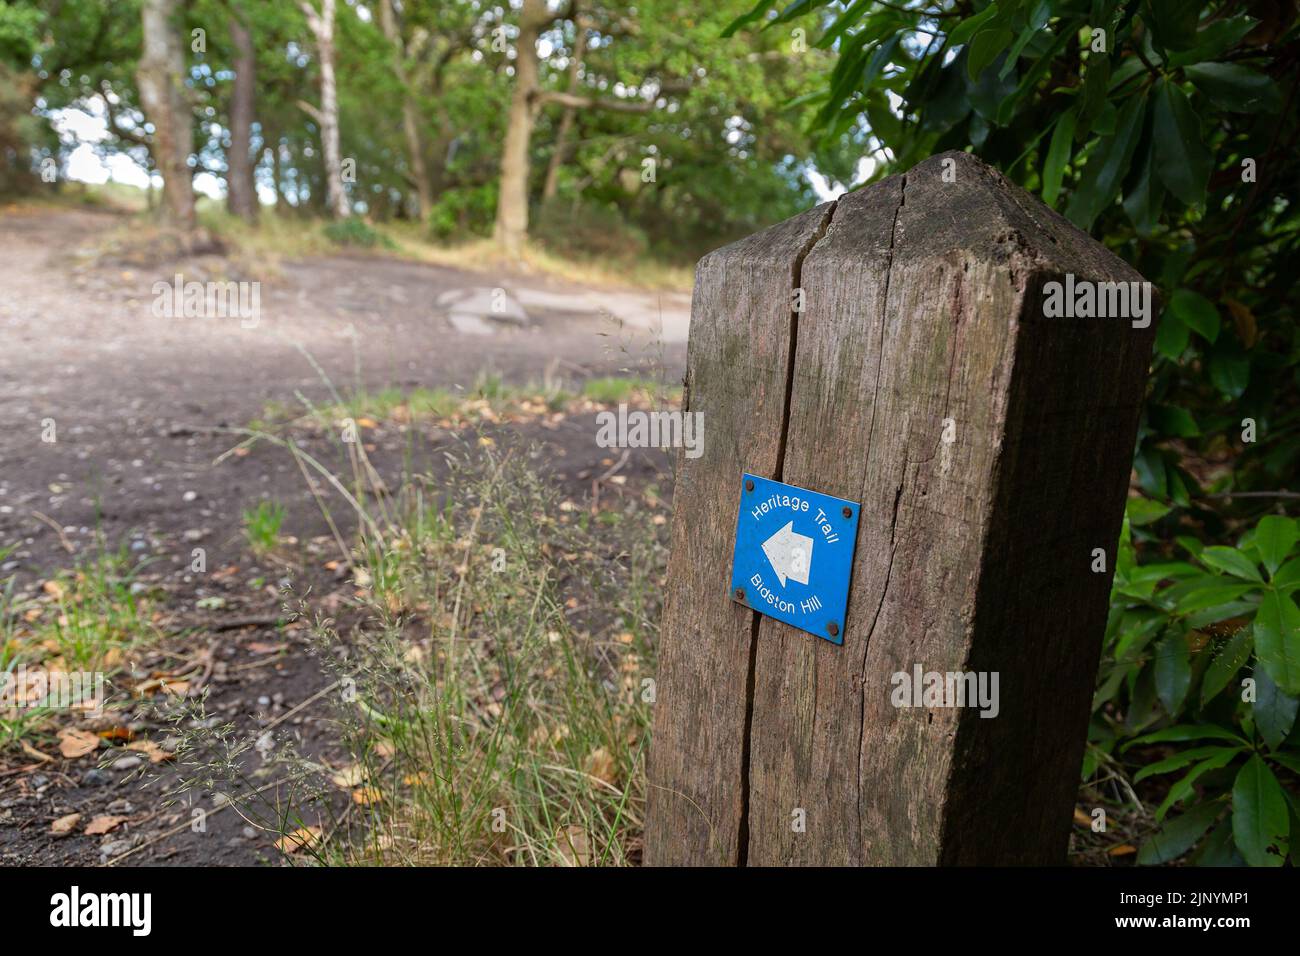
[{"x": 989, "y": 446}]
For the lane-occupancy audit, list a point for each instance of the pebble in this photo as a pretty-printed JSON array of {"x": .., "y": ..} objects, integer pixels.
[
  {"x": 94, "y": 777},
  {"x": 123, "y": 764}
]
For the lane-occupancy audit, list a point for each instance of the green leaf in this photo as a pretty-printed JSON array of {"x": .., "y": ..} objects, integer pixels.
[
  {"x": 1182, "y": 160},
  {"x": 1236, "y": 88},
  {"x": 966, "y": 29},
  {"x": 1275, "y": 536},
  {"x": 1174, "y": 22},
  {"x": 1184, "y": 788},
  {"x": 1261, "y": 824},
  {"x": 1107, "y": 164},
  {"x": 1143, "y": 202},
  {"x": 1179, "y": 835},
  {"x": 1169, "y": 420},
  {"x": 1196, "y": 312},
  {"x": 1275, "y": 711},
  {"x": 1231, "y": 561},
  {"x": 1172, "y": 335},
  {"x": 1143, "y": 511},
  {"x": 1096, "y": 81},
  {"x": 1180, "y": 732},
  {"x": 1197, "y": 595},
  {"x": 984, "y": 49},
  {"x": 746, "y": 19},
  {"x": 1180, "y": 760},
  {"x": 1215, "y": 39},
  {"x": 1277, "y": 640},
  {"x": 1227, "y": 660},
  {"x": 1288, "y": 577},
  {"x": 1173, "y": 671},
  {"x": 1220, "y": 612},
  {"x": 1230, "y": 372}
]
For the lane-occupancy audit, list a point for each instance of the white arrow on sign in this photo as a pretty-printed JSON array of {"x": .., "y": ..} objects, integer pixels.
[{"x": 790, "y": 554}]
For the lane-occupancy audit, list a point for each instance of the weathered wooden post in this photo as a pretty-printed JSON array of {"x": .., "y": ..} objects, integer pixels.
[{"x": 988, "y": 441}]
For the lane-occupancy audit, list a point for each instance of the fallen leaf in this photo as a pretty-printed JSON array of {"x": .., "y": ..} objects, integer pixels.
[
  {"x": 1081, "y": 818},
  {"x": 33, "y": 752},
  {"x": 351, "y": 776},
  {"x": 1124, "y": 849},
  {"x": 156, "y": 754},
  {"x": 573, "y": 846},
  {"x": 54, "y": 589},
  {"x": 77, "y": 743},
  {"x": 299, "y": 838},
  {"x": 366, "y": 796},
  {"x": 601, "y": 765},
  {"x": 262, "y": 647},
  {"x": 65, "y": 825},
  {"x": 105, "y": 824},
  {"x": 367, "y": 423}
]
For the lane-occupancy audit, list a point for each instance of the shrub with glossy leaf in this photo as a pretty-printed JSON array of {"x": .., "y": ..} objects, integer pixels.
[{"x": 1202, "y": 659}]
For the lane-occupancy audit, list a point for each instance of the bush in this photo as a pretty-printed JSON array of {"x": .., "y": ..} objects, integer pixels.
[
  {"x": 571, "y": 228},
  {"x": 1200, "y": 677},
  {"x": 356, "y": 232},
  {"x": 464, "y": 213}
]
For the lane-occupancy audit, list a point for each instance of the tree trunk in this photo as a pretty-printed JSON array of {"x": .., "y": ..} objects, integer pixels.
[
  {"x": 272, "y": 146},
  {"x": 322, "y": 27},
  {"x": 161, "y": 78},
  {"x": 241, "y": 195},
  {"x": 560, "y": 154},
  {"x": 512, "y": 204},
  {"x": 410, "y": 115}
]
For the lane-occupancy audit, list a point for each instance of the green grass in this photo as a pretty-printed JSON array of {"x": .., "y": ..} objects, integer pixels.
[
  {"x": 496, "y": 662},
  {"x": 489, "y": 393},
  {"x": 262, "y": 526},
  {"x": 90, "y": 619},
  {"x": 616, "y": 390}
]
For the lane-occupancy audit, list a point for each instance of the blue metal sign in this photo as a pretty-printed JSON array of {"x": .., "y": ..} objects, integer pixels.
[{"x": 794, "y": 555}]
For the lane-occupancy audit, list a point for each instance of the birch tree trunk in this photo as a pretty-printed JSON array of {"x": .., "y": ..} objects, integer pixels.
[
  {"x": 241, "y": 197},
  {"x": 161, "y": 78},
  {"x": 322, "y": 27}
]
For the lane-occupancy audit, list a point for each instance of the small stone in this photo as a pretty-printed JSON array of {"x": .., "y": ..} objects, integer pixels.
[
  {"x": 94, "y": 777},
  {"x": 123, "y": 764}
]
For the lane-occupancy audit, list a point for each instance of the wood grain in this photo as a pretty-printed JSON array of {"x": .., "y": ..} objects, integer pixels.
[{"x": 737, "y": 371}]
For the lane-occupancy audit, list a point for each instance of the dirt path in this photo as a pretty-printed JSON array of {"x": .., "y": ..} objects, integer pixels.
[{"x": 138, "y": 402}]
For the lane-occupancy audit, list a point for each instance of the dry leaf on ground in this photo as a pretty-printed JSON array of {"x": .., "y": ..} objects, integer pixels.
[
  {"x": 103, "y": 824},
  {"x": 77, "y": 743},
  {"x": 155, "y": 753},
  {"x": 65, "y": 825},
  {"x": 574, "y": 846},
  {"x": 299, "y": 838}
]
